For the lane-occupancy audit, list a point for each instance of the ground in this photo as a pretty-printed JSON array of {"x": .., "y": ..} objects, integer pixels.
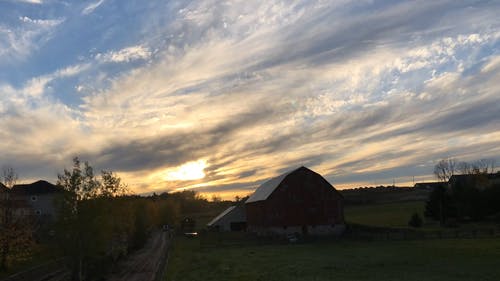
[
  {"x": 451, "y": 259},
  {"x": 143, "y": 264},
  {"x": 433, "y": 259}
]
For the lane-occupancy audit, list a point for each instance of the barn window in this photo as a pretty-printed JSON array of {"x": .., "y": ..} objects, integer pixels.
[
  {"x": 38, "y": 212},
  {"x": 33, "y": 198}
]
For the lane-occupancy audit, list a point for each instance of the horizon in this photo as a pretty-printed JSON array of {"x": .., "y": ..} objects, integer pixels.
[{"x": 218, "y": 97}]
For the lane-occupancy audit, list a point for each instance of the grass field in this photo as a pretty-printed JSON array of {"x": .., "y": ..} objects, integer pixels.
[
  {"x": 388, "y": 214},
  {"x": 465, "y": 259}
]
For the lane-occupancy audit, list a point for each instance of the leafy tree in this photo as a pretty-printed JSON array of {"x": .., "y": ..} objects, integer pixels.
[
  {"x": 85, "y": 225},
  {"x": 439, "y": 204}
]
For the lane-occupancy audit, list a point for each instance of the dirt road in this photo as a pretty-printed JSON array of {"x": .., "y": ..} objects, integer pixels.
[{"x": 145, "y": 263}]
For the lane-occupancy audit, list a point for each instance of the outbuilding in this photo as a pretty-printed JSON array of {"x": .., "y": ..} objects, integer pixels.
[{"x": 232, "y": 219}]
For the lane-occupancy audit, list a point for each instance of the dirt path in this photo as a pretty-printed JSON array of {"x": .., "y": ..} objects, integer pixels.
[{"x": 144, "y": 264}]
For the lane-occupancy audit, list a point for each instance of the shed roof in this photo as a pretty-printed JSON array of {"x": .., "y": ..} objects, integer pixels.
[
  {"x": 268, "y": 187},
  {"x": 38, "y": 187},
  {"x": 221, "y": 215},
  {"x": 3, "y": 188}
]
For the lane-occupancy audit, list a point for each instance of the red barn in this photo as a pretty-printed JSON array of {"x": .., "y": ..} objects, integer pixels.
[{"x": 299, "y": 201}]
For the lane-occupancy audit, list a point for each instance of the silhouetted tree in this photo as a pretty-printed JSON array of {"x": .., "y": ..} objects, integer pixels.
[
  {"x": 439, "y": 204},
  {"x": 415, "y": 220},
  {"x": 16, "y": 231},
  {"x": 85, "y": 222},
  {"x": 445, "y": 169},
  {"x": 9, "y": 176}
]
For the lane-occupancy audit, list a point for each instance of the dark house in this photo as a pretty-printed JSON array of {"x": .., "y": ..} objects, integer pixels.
[
  {"x": 480, "y": 181},
  {"x": 428, "y": 185},
  {"x": 37, "y": 199},
  {"x": 4, "y": 192},
  {"x": 299, "y": 201}
]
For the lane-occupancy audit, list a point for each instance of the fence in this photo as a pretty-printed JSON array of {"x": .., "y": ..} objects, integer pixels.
[
  {"x": 365, "y": 233},
  {"x": 354, "y": 232}
]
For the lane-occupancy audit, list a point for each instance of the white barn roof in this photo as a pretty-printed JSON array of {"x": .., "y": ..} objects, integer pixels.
[
  {"x": 221, "y": 215},
  {"x": 263, "y": 191}
]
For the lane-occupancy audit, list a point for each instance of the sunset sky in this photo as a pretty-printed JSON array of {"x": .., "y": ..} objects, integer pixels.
[{"x": 218, "y": 96}]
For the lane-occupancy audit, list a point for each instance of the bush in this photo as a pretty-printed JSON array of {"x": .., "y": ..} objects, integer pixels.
[{"x": 415, "y": 220}]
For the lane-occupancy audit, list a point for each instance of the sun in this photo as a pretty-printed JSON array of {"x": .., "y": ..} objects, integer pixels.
[{"x": 193, "y": 170}]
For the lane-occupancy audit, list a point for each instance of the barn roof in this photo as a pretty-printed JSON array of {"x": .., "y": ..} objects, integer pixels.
[
  {"x": 221, "y": 215},
  {"x": 263, "y": 191},
  {"x": 3, "y": 188}
]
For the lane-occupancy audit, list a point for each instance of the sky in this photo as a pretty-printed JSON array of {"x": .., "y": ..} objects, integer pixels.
[{"x": 219, "y": 96}]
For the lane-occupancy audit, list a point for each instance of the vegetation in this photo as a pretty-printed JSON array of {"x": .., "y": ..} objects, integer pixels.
[
  {"x": 338, "y": 260},
  {"x": 16, "y": 235},
  {"x": 415, "y": 220},
  {"x": 468, "y": 198}
]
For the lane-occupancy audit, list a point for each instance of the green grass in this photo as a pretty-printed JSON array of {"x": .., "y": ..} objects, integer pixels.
[
  {"x": 465, "y": 259},
  {"x": 385, "y": 215}
]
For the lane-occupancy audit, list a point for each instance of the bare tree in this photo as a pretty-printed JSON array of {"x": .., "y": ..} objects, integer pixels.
[
  {"x": 9, "y": 176},
  {"x": 445, "y": 168},
  {"x": 464, "y": 168},
  {"x": 484, "y": 166},
  {"x": 16, "y": 232}
]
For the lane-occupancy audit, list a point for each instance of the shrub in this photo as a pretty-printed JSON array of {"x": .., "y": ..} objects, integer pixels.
[{"x": 415, "y": 220}]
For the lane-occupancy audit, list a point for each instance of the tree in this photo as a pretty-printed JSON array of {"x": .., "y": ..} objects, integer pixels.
[
  {"x": 16, "y": 232},
  {"x": 9, "y": 176},
  {"x": 445, "y": 169},
  {"x": 85, "y": 221},
  {"x": 484, "y": 166},
  {"x": 415, "y": 220},
  {"x": 439, "y": 204}
]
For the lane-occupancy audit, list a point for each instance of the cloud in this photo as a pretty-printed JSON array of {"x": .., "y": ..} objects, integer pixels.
[
  {"x": 125, "y": 55},
  {"x": 30, "y": 1},
  {"x": 355, "y": 90},
  {"x": 91, "y": 7},
  {"x": 20, "y": 41}
]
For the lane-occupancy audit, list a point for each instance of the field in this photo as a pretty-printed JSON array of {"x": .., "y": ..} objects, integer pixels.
[
  {"x": 434, "y": 259},
  {"x": 465, "y": 259},
  {"x": 388, "y": 214}
]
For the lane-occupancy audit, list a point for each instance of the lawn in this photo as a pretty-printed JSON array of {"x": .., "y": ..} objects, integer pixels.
[
  {"x": 465, "y": 259},
  {"x": 388, "y": 214}
]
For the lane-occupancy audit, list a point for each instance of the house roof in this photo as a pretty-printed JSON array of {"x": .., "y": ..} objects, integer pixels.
[
  {"x": 38, "y": 187},
  {"x": 221, "y": 215},
  {"x": 429, "y": 184}
]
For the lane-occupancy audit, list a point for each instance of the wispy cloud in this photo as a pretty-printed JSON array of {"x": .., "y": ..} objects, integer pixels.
[
  {"x": 91, "y": 7},
  {"x": 19, "y": 41},
  {"x": 363, "y": 92},
  {"x": 128, "y": 54}
]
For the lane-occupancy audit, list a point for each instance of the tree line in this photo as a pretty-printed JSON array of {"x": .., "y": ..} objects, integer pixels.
[
  {"x": 472, "y": 196},
  {"x": 99, "y": 220}
]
